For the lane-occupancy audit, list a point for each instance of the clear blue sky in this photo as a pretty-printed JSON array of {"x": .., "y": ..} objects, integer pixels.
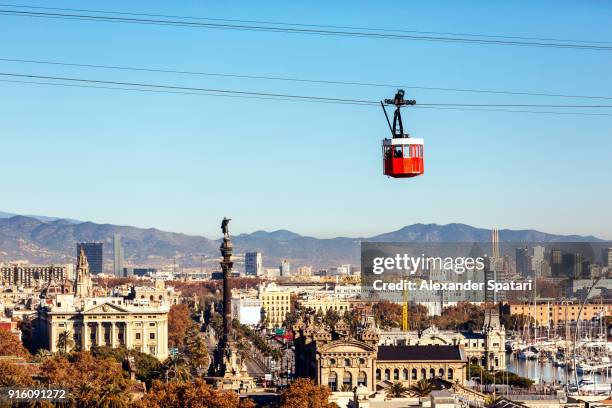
[{"x": 181, "y": 163}]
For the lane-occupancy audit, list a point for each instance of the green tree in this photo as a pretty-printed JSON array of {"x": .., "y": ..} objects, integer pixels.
[
  {"x": 396, "y": 390},
  {"x": 196, "y": 350},
  {"x": 148, "y": 367},
  {"x": 331, "y": 318},
  {"x": 65, "y": 341},
  {"x": 421, "y": 388}
]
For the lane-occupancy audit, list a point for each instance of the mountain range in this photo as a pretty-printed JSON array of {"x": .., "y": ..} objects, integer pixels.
[{"x": 39, "y": 239}]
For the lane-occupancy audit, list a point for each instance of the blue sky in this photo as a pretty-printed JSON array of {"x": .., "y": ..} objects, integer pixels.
[{"x": 181, "y": 163}]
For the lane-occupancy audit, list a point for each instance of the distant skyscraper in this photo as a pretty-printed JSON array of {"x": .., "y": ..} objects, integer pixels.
[
  {"x": 94, "y": 253},
  {"x": 607, "y": 258},
  {"x": 285, "y": 268},
  {"x": 118, "y": 255},
  {"x": 522, "y": 261},
  {"x": 494, "y": 269},
  {"x": 556, "y": 263},
  {"x": 572, "y": 265},
  {"x": 253, "y": 264},
  {"x": 495, "y": 243},
  {"x": 537, "y": 260}
]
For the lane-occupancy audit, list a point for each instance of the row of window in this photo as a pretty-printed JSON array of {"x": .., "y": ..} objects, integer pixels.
[
  {"x": 347, "y": 380},
  {"x": 347, "y": 362},
  {"x": 405, "y": 151},
  {"x": 414, "y": 374}
]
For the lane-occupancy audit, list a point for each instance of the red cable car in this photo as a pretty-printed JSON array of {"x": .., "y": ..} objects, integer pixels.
[{"x": 402, "y": 155}]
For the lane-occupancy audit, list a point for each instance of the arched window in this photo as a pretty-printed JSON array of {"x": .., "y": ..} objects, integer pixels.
[
  {"x": 362, "y": 379},
  {"x": 347, "y": 380},
  {"x": 450, "y": 373},
  {"x": 423, "y": 373},
  {"x": 432, "y": 373},
  {"x": 441, "y": 373},
  {"x": 396, "y": 374},
  {"x": 347, "y": 362},
  {"x": 414, "y": 373},
  {"x": 332, "y": 361},
  {"x": 332, "y": 381},
  {"x": 387, "y": 374},
  {"x": 378, "y": 374},
  {"x": 405, "y": 374}
]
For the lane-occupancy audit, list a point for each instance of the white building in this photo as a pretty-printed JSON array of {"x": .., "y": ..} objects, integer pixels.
[
  {"x": 246, "y": 310},
  {"x": 285, "y": 268}
]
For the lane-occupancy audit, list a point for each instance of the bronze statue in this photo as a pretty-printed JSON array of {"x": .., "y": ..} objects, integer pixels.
[{"x": 224, "y": 226}]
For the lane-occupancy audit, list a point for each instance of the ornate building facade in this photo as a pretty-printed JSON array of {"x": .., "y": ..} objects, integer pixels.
[
  {"x": 80, "y": 320},
  {"x": 343, "y": 357},
  {"x": 485, "y": 348}
]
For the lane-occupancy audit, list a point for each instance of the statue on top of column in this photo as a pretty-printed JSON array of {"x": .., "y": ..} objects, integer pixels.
[{"x": 224, "y": 226}]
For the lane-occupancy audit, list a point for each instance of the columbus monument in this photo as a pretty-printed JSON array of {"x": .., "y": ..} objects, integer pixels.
[{"x": 229, "y": 368}]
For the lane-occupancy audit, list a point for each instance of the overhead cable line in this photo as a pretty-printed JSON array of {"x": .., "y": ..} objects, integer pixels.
[
  {"x": 290, "y": 30},
  {"x": 141, "y": 87},
  {"x": 302, "y": 24},
  {"x": 293, "y": 100},
  {"x": 185, "y": 88},
  {"x": 293, "y": 79}
]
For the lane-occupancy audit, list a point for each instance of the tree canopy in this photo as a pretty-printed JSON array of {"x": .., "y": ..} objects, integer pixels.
[
  {"x": 303, "y": 393},
  {"x": 11, "y": 346}
]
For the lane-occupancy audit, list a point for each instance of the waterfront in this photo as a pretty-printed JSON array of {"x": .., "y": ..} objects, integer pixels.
[{"x": 545, "y": 371}]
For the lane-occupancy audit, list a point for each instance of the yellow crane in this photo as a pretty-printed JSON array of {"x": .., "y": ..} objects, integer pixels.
[{"x": 405, "y": 323}]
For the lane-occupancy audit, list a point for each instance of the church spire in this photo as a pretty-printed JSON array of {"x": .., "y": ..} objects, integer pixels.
[
  {"x": 82, "y": 283},
  {"x": 82, "y": 263}
]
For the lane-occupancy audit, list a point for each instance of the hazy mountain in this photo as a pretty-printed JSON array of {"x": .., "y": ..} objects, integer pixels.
[
  {"x": 466, "y": 233},
  {"x": 54, "y": 240},
  {"x": 39, "y": 217}
]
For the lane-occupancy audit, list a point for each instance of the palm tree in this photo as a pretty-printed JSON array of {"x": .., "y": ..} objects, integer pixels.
[
  {"x": 396, "y": 390},
  {"x": 346, "y": 388},
  {"x": 41, "y": 354},
  {"x": 64, "y": 341},
  {"x": 422, "y": 388},
  {"x": 112, "y": 396}
]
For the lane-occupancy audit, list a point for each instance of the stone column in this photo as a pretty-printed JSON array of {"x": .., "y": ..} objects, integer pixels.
[
  {"x": 99, "y": 338},
  {"x": 158, "y": 340},
  {"x": 52, "y": 339},
  {"x": 85, "y": 335},
  {"x": 113, "y": 335},
  {"x": 127, "y": 334},
  {"x": 165, "y": 331},
  {"x": 143, "y": 347}
]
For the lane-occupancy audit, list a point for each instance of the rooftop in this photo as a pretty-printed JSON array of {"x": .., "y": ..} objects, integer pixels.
[{"x": 420, "y": 353}]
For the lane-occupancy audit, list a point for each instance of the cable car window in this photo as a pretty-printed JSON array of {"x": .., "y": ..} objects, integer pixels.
[
  {"x": 398, "y": 152},
  {"x": 387, "y": 152},
  {"x": 407, "y": 151}
]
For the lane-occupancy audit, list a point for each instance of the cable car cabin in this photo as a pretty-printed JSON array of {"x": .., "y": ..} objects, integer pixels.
[{"x": 402, "y": 157}]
